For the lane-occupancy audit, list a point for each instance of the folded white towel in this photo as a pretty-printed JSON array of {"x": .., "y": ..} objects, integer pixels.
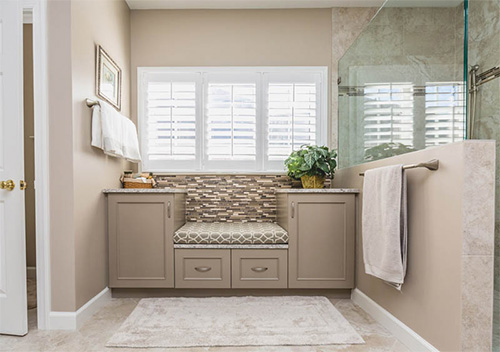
[
  {"x": 384, "y": 224},
  {"x": 114, "y": 133}
]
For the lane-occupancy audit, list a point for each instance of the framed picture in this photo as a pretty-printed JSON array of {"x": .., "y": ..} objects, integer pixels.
[{"x": 108, "y": 79}]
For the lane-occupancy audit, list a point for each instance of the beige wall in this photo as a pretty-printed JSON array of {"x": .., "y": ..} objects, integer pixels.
[
  {"x": 107, "y": 23},
  {"x": 60, "y": 110},
  {"x": 79, "y": 172},
  {"x": 447, "y": 295},
  {"x": 230, "y": 38},
  {"x": 29, "y": 147}
]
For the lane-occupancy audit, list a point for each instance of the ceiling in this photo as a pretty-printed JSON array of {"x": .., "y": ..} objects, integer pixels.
[{"x": 248, "y": 4}]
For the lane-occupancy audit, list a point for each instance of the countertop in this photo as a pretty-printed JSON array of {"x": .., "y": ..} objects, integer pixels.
[
  {"x": 317, "y": 190},
  {"x": 144, "y": 190}
]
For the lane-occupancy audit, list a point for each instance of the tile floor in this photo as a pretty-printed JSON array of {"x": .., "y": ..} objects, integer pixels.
[{"x": 94, "y": 334}]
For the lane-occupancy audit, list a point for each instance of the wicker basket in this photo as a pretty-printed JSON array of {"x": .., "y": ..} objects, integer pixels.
[{"x": 133, "y": 183}]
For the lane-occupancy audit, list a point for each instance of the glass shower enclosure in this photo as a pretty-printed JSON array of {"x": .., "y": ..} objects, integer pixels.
[
  {"x": 402, "y": 83},
  {"x": 423, "y": 74}
]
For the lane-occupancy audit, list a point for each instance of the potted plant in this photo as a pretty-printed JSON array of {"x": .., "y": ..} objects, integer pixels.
[{"x": 312, "y": 164}]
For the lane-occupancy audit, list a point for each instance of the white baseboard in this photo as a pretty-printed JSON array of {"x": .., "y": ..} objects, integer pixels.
[
  {"x": 31, "y": 272},
  {"x": 73, "y": 320},
  {"x": 402, "y": 332}
]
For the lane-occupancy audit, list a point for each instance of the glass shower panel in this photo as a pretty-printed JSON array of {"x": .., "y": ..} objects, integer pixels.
[
  {"x": 401, "y": 85},
  {"x": 484, "y": 51}
]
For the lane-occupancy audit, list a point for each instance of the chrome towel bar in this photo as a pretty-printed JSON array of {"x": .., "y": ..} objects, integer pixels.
[
  {"x": 90, "y": 103},
  {"x": 432, "y": 165}
]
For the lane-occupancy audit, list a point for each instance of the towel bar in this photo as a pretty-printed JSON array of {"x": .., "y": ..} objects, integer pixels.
[
  {"x": 90, "y": 103},
  {"x": 432, "y": 165}
]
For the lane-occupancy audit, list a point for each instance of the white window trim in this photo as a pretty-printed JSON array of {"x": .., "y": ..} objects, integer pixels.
[{"x": 322, "y": 126}]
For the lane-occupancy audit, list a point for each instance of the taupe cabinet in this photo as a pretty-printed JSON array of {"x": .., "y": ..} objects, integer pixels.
[
  {"x": 140, "y": 230},
  {"x": 320, "y": 254},
  {"x": 321, "y": 229}
]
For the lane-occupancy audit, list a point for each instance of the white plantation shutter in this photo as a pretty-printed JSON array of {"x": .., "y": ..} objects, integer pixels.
[
  {"x": 229, "y": 119},
  {"x": 444, "y": 113},
  {"x": 293, "y": 113},
  {"x": 388, "y": 114},
  {"x": 169, "y": 129}
]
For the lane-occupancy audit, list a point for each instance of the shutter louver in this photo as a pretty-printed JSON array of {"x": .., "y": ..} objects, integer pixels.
[
  {"x": 231, "y": 121},
  {"x": 171, "y": 121},
  {"x": 292, "y": 118},
  {"x": 388, "y": 114},
  {"x": 228, "y": 119},
  {"x": 444, "y": 113}
]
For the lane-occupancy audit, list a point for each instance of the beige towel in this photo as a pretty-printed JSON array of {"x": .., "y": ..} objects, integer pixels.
[{"x": 385, "y": 229}]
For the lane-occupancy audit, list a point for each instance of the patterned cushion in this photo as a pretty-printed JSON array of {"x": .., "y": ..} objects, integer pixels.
[{"x": 231, "y": 233}]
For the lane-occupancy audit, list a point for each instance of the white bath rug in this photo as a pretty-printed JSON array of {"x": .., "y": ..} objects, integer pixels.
[{"x": 234, "y": 321}]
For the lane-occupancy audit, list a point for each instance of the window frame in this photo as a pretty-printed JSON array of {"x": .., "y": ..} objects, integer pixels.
[{"x": 262, "y": 166}]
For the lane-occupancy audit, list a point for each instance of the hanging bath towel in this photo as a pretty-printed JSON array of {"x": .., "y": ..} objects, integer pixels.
[
  {"x": 384, "y": 224},
  {"x": 114, "y": 133}
]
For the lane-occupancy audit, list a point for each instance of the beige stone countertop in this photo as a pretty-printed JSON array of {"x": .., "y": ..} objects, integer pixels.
[
  {"x": 144, "y": 190},
  {"x": 317, "y": 190}
]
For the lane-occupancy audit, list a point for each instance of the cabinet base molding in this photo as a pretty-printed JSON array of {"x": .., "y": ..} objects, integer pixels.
[{"x": 160, "y": 292}]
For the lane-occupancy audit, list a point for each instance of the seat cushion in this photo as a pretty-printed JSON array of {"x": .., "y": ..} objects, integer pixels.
[{"x": 231, "y": 233}]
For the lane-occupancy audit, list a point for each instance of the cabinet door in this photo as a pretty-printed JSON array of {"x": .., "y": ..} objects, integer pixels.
[
  {"x": 322, "y": 239},
  {"x": 141, "y": 252}
]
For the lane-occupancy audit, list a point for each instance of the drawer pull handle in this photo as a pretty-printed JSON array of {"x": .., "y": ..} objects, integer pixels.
[
  {"x": 203, "y": 269},
  {"x": 168, "y": 209},
  {"x": 259, "y": 269},
  {"x": 293, "y": 209}
]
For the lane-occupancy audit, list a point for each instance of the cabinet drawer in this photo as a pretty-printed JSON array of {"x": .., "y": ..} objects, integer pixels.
[
  {"x": 259, "y": 268},
  {"x": 202, "y": 268}
]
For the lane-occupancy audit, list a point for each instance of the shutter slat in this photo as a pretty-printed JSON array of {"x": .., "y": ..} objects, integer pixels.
[
  {"x": 171, "y": 120},
  {"x": 292, "y": 117},
  {"x": 231, "y": 121}
]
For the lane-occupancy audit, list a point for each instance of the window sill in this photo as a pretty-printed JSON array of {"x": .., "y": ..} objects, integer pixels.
[{"x": 219, "y": 173}]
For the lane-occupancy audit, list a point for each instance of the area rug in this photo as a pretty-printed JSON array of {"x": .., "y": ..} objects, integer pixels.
[{"x": 234, "y": 321}]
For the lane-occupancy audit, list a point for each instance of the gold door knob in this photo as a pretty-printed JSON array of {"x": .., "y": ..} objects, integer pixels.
[
  {"x": 9, "y": 185},
  {"x": 23, "y": 185}
]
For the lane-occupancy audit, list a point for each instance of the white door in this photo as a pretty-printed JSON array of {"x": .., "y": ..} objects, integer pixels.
[{"x": 13, "y": 308}]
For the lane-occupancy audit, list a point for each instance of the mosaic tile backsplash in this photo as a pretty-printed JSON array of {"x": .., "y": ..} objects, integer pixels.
[{"x": 229, "y": 198}]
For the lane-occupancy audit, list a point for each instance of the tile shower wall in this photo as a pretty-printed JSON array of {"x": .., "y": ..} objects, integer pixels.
[
  {"x": 229, "y": 198},
  {"x": 484, "y": 50}
]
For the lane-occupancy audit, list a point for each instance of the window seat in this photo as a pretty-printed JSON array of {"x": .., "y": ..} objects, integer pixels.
[{"x": 227, "y": 235}]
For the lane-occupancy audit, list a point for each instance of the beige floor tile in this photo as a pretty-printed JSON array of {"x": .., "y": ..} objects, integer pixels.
[{"x": 94, "y": 334}]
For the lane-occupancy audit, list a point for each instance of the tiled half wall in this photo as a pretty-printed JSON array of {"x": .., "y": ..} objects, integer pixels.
[{"x": 229, "y": 198}]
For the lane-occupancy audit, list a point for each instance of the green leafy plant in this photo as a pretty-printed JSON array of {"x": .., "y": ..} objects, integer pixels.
[
  {"x": 311, "y": 160},
  {"x": 386, "y": 150}
]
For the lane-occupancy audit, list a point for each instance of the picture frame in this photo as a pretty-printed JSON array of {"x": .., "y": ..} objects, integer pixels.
[{"x": 108, "y": 78}]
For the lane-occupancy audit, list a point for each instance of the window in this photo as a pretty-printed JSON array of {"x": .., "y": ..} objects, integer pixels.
[
  {"x": 444, "y": 113},
  {"x": 388, "y": 114},
  {"x": 229, "y": 119}
]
